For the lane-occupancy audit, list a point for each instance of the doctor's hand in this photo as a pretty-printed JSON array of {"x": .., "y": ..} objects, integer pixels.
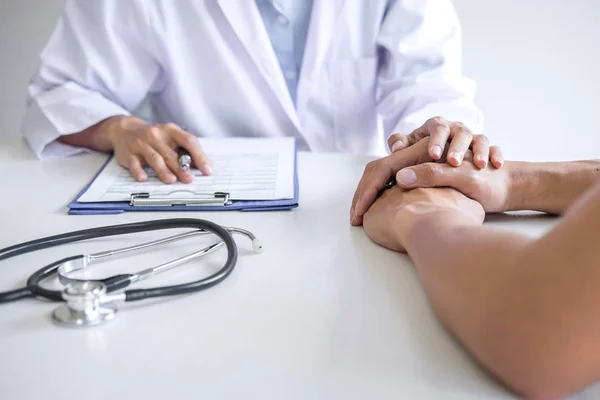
[
  {"x": 136, "y": 143},
  {"x": 495, "y": 189},
  {"x": 440, "y": 131},
  {"x": 391, "y": 220}
]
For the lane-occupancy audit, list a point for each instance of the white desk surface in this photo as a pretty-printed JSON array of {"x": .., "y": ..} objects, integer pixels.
[{"x": 323, "y": 313}]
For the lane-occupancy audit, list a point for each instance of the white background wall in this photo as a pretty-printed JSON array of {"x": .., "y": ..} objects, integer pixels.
[
  {"x": 536, "y": 63},
  {"x": 24, "y": 28}
]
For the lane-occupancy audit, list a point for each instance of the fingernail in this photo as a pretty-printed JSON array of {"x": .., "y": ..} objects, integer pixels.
[
  {"x": 398, "y": 145},
  {"x": 407, "y": 177},
  {"x": 351, "y": 213},
  {"x": 436, "y": 150},
  {"x": 141, "y": 177},
  {"x": 208, "y": 168},
  {"x": 456, "y": 155}
]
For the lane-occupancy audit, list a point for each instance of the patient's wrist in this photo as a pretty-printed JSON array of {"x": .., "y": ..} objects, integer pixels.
[
  {"x": 532, "y": 186},
  {"x": 522, "y": 176},
  {"x": 548, "y": 186}
]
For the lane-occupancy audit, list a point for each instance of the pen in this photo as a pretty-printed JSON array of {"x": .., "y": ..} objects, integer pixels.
[{"x": 185, "y": 160}]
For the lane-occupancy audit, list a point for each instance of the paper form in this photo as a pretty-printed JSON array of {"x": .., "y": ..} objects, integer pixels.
[{"x": 246, "y": 168}]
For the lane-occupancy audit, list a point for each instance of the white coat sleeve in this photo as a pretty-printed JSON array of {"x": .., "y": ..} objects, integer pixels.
[
  {"x": 420, "y": 73},
  {"x": 94, "y": 66}
]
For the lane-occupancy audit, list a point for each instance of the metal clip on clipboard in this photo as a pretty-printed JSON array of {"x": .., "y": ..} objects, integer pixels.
[{"x": 144, "y": 199}]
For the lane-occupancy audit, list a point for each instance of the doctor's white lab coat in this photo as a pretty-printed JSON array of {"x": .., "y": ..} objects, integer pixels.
[{"x": 371, "y": 68}]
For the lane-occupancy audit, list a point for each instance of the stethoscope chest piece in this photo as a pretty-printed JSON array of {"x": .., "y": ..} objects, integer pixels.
[{"x": 84, "y": 305}]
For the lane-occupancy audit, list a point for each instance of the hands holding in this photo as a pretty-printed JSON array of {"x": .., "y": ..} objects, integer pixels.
[
  {"x": 425, "y": 145},
  {"x": 466, "y": 186}
]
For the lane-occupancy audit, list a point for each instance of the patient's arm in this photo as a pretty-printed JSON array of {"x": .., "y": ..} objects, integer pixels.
[
  {"x": 528, "y": 309},
  {"x": 548, "y": 187}
]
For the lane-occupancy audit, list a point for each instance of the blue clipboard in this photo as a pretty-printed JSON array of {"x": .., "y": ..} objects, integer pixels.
[{"x": 107, "y": 208}]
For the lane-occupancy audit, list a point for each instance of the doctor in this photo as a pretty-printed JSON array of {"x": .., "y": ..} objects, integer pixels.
[{"x": 323, "y": 71}]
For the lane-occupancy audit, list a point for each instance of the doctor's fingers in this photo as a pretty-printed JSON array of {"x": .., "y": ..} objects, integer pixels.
[
  {"x": 171, "y": 159},
  {"x": 162, "y": 158},
  {"x": 134, "y": 165},
  {"x": 496, "y": 157},
  {"x": 481, "y": 151},
  {"x": 156, "y": 161},
  {"x": 186, "y": 140},
  {"x": 437, "y": 129},
  {"x": 462, "y": 137}
]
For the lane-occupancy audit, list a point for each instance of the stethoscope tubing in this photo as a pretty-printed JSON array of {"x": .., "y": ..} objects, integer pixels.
[{"x": 34, "y": 289}]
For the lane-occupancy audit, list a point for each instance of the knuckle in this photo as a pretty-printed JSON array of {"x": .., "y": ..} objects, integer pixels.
[
  {"x": 188, "y": 140},
  {"x": 438, "y": 120},
  {"x": 171, "y": 126},
  {"x": 429, "y": 171},
  {"x": 462, "y": 128},
  {"x": 153, "y": 133},
  {"x": 170, "y": 156},
  {"x": 482, "y": 139},
  {"x": 438, "y": 124}
]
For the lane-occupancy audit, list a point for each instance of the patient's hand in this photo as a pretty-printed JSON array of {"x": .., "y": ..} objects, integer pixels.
[
  {"x": 379, "y": 172},
  {"x": 489, "y": 186},
  {"x": 391, "y": 220}
]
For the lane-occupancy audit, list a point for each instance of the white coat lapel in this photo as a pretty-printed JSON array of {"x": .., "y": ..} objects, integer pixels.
[
  {"x": 246, "y": 21},
  {"x": 325, "y": 15}
]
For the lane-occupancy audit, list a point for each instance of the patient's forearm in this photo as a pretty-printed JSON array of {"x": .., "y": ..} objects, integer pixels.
[
  {"x": 527, "y": 308},
  {"x": 464, "y": 271},
  {"x": 549, "y": 186}
]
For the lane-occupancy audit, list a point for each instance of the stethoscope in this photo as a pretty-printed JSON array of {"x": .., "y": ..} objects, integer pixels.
[{"x": 91, "y": 302}]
